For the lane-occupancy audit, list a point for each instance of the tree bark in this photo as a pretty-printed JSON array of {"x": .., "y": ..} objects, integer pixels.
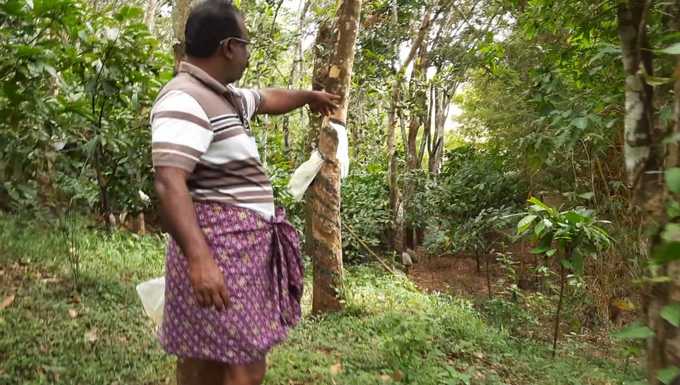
[
  {"x": 322, "y": 227},
  {"x": 441, "y": 111},
  {"x": 418, "y": 115},
  {"x": 673, "y": 158},
  {"x": 640, "y": 149},
  {"x": 644, "y": 155},
  {"x": 150, "y": 14},
  {"x": 322, "y": 53},
  {"x": 180, "y": 13},
  {"x": 295, "y": 71},
  {"x": 400, "y": 74}
]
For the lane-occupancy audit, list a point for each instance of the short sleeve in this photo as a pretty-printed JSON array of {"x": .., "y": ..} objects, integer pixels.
[
  {"x": 180, "y": 131},
  {"x": 251, "y": 100}
]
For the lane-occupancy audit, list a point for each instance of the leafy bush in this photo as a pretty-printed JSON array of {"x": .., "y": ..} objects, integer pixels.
[
  {"x": 76, "y": 96},
  {"x": 475, "y": 194},
  {"x": 365, "y": 208}
]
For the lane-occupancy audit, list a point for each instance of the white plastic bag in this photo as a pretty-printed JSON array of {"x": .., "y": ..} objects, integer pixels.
[
  {"x": 305, "y": 174},
  {"x": 152, "y": 294},
  {"x": 342, "y": 153}
]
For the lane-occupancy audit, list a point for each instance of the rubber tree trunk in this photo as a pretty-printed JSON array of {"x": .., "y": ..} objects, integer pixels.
[
  {"x": 644, "y": 156},
  {"x": 322, "y": 55},
  {"x": 322, "y": 225},
  {"x": 180, "y": 13}
]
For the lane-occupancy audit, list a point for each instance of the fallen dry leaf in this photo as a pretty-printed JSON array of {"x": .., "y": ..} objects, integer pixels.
[
  {"x": 336, "y": 369},
  {"x": 73, "y": 313},
  {"x": 7, "y": 301},
  {"x": 91, "y": 336},
  {"x": 398, "y": 375},
  {"x": 385, "y": 378}
]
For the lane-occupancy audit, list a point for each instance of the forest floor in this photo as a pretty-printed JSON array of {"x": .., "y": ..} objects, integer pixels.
[
  {"x": 391, "y": 332},
  {"x": 454, "y": 275}
]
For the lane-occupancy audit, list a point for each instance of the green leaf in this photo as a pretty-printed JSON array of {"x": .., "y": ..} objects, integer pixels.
[
  {"x": 673, "y": 210},
  {"x": 577, "y": 263},
  {"x": 673, "y": 179},
  {"x": 12, "y": 7},
  {"x": 587, "y": 196},
  {"x": 580, "y": 123},
  {"x": 574, "y": 217},
  {"x": 656, "y": 81},
  {"x": 671, "y": 232},
  {"x": 667, "y": 375},
  {"x": 525, "y": 223},
  {"x": 540, "y": 249},
  {"x": 633, "y": 332},
  {"x": 537, "y": 202},
  {"x": 551, "y": 252},
  {"x": 667, "y": 252},
  {"x": 672, "y": 50},
  {"x": 27, "y": 51},
  {"x": 671, "y": 313},
  {"x": 540, "y": 227}
]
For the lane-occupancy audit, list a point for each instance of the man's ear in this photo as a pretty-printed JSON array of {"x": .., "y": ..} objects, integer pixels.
[{"x": 227, "y": 51}]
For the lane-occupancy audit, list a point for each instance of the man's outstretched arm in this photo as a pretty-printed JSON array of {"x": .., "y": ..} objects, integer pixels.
[{"x": 277, "y": 101}]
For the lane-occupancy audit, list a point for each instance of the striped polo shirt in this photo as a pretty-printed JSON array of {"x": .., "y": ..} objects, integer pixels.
[{"x": 202, "y": 126}]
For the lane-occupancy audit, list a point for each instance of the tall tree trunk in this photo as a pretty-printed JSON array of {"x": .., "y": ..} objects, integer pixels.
[
  {"x": 418, "y": 113},
  {"x": 150, "y": 14},
  {"x": 322, "y": 54},
  {"x": 639, "y": 122},
  {"x": 644, "y": 155},
  {"x": 673, "y": 158},
  {"x": 322, "y": 227},
  {"x": 180, "y": 13},
  {"x": 441, "y": 112},
  {"x": 295, "y": 71},
  {"x": 400, "y": 74},
  {"x": 418, "y": 117}
]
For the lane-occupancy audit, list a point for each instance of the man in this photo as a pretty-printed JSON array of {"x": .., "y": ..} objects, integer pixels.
[{"x": 233, "y": 269}]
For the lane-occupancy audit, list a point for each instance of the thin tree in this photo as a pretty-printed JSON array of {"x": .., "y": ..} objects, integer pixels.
[{"x": 644, "y": 152}]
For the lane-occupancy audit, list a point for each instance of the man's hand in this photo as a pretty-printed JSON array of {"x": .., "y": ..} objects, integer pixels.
[
  {"x": 323, "y": 102},
  {"x": 207, "y": 281},
  {"x": 179, "y": 217},
  {"x": 281, "y": 101}
]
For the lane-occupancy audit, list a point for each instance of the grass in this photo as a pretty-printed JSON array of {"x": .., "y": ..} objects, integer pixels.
[{"x": 389, "y": 333}]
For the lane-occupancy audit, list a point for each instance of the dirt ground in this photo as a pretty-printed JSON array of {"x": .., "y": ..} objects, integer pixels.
[{"x": 455, "y": 275}]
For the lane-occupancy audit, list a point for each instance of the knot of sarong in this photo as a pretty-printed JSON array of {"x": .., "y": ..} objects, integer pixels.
[{"x": 287, "y": 269}]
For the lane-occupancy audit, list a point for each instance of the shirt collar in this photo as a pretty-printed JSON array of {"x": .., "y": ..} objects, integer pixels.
[{"x": 204, "y": 77}]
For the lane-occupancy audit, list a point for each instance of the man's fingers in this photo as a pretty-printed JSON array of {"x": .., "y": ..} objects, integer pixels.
[
  {"x": 224, "y": 296},
  {"x": 200, "y": 298},
  {"x": 217, "y": 301}
]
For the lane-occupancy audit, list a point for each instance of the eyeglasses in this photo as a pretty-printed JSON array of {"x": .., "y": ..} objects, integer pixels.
[{"x": 238, "y": 39}]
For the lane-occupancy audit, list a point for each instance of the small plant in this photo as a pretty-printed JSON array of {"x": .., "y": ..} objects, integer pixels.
[
  {"x": 478, "y": 234},
  {"x": 569, "y": 236}
]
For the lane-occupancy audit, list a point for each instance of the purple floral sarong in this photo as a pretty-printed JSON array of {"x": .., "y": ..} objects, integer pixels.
[{"x": 261, "y": 263}]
